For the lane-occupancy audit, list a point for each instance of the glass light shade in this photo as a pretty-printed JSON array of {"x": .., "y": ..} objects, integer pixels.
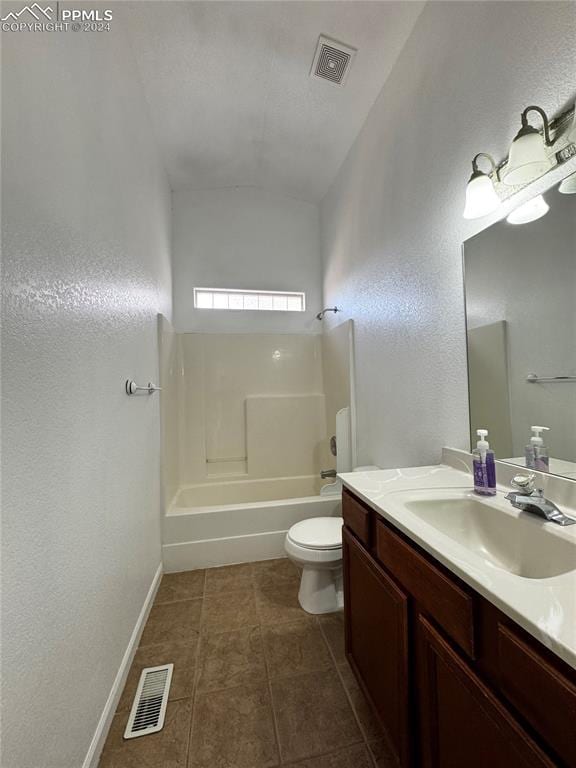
[
  {"x": 568, "y": 186},
  {"x": 481, "y": 197},
  {"x": 529, "y": 211},
  {"x": 527, "y": 159}
]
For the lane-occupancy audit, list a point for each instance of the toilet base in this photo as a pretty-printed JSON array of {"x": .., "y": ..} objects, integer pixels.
[{"x": 321, "y": 590}]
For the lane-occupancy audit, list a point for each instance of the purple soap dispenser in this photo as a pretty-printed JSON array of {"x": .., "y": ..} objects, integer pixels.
[{"x": 484, "y": 466}]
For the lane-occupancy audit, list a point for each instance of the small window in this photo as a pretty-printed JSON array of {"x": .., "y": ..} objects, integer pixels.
[{"x": 232, "y": 298}]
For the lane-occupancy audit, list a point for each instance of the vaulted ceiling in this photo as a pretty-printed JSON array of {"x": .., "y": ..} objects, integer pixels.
[{"x": 230, "y": 92}]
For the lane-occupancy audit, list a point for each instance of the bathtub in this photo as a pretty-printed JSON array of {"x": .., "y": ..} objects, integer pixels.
[{"x": 238, "y": 521}]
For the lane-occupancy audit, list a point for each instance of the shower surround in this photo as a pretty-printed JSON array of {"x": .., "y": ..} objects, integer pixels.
[{"x": 245, "y": 433}]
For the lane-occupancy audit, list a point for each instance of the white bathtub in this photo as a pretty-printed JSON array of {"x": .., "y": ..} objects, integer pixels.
[{"x": 236, "y": 521}]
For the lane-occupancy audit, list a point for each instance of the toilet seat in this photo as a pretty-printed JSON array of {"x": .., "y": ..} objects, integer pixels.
[
  {"x": 315, "y": 545},
  {"x": 317, "y": 533}
]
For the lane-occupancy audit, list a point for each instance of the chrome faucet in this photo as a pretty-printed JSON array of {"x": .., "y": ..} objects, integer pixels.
[
  {"x": 531, "y": 499},
  {"x": 326, "y": 473}
]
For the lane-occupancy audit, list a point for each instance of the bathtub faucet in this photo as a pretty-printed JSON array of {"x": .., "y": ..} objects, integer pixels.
[{"x": 325, "y": 473}]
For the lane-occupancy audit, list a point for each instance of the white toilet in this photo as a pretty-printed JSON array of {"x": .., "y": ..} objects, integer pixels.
[{"x": 316, "y": 546}]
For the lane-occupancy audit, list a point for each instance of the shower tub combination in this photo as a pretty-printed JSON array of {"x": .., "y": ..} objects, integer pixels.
[{"x": 237, "y": 521}]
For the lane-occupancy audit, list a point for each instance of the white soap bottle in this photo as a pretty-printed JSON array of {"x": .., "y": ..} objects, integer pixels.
[{"x": 536, "y": 452}]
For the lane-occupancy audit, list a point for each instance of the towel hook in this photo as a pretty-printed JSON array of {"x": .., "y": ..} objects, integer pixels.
[{"x": 132, "y": 388}]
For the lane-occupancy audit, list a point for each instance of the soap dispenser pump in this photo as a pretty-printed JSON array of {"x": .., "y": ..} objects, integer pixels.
[
  {"x": 484, "y": 466},
  {"x": 536, "y": 452}
]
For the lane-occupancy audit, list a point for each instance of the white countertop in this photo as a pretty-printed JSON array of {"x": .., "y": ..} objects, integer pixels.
[{"x": 546, "y": 608}]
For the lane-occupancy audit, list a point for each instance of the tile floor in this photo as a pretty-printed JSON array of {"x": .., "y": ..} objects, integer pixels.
[{"x": 257, "y": 681}]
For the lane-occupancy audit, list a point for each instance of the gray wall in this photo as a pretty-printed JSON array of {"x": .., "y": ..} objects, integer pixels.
[
  {"x": 392, "y": 221},
  {"x": 86, "y": 268},
  {"x": 251, "y": 239}
]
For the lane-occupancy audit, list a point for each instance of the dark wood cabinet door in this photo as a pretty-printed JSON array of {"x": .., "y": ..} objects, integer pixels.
[
  {"x": 462, "y": 722},
  {"x": 376, "y": 613}
]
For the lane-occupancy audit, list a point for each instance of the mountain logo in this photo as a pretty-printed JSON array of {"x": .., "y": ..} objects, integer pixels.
[{"x": 35, "y": 10}]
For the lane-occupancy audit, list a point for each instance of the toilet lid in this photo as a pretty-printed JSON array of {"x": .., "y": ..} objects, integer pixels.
[{"x": 318, "y": 533}]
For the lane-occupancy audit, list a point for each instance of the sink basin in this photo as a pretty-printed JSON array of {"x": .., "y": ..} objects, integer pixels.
[{"x": 509, "y": 540}]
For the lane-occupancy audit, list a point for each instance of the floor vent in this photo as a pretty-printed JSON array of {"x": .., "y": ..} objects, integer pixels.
[
  {"x": 149, "y": 707},
  {"x": 332, "y": 60}
]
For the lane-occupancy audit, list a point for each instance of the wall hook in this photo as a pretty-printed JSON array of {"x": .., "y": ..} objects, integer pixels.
[{"x": 132, "y": 388}]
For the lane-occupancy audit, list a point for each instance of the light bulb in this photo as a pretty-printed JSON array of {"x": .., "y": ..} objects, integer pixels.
[
  {"x": 568, "y": 186},
  {"x": 481, "y": 197},
  {"x": 529, "y": 211}
]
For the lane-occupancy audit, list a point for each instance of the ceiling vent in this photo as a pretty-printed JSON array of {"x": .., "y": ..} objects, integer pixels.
[{"x": 332, "y": 60}]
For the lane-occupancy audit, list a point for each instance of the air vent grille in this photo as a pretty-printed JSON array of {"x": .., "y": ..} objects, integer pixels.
[
  {"x": 149, "y": 707},
  {"x": 332, "y": 63},
  {"x": 332, "y": 60}
]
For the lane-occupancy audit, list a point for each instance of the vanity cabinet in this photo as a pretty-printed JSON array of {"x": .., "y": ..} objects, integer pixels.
[
  {"x": 462, "y": 722},
  {"x": 379, "y": 659},
  {"x": 454, "y": 682}
]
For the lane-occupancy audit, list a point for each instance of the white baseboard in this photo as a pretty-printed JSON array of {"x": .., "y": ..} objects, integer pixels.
[
  {"x": 93, "y": 755},
  {"x": 210, "y": 553}
]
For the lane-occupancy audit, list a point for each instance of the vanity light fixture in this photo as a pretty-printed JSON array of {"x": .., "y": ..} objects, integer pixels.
[
  {"x": 530, "y": 211},
  {"x": 528, "y": 157},
  {"x": 481, "y": 197}
]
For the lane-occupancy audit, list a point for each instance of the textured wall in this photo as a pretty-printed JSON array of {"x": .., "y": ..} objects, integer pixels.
[
  {"x": 245, "y": 238},
  {"x": 392, "y": 221},
  {"x": 86, "y": 269}
]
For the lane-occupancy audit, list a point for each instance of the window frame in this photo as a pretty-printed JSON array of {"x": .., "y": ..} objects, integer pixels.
[{"x": 228, "y": 292}]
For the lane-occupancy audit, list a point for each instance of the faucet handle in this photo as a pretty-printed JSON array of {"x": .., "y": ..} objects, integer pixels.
[{"x": 524, "y": 483}]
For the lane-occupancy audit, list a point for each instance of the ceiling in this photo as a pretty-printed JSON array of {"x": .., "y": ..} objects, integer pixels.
[{"x": 230, "y": 93}]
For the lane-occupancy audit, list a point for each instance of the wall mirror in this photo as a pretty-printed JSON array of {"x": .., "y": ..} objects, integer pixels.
[{"x": 520, "y": 288}]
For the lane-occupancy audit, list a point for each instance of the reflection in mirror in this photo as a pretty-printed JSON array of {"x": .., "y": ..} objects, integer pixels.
[
  {"x": 520, "y": 286},
  {"x": 338, "y": 453}
]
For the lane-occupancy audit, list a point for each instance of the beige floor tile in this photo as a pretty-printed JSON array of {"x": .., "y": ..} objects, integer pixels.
[
  {"x": 165, "y": 749},
  {"x": 230, "y": 578},
  {"x": 352, "y": 757},
  {"x": 332, "y": 626},
  {"x": 182, "y": 656},
  {"x": 180, "y": 586},
  {"x": 313, "y": 715},
  {"x": 368, "y": 722},
  {"x": 228, "y": 611},
  {"x": 173, "y": 623},
  {"x": 294, "y": 648},
  {"x": 276, "y": 573},
  {"x": 227, "y": 628},
  {"x": 233, "y": 729},
  {"x": 230, "y": 659},
  {"x": 278, "y": 604}
]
